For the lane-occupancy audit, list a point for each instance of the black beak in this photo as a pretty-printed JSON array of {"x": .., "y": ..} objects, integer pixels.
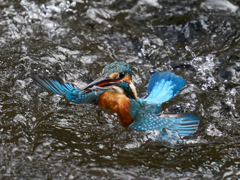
[{"x": 102, "y": 81}]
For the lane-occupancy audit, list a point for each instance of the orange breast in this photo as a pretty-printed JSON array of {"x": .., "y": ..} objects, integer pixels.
[{"x": 119, "y": 103}]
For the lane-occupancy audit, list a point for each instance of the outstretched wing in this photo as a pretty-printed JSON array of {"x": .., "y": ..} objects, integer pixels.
[
  {"x": 71, "y": 90},
  {"x": 53, "y": 84},
  {"x": 185, "y": 124},
  {"x": 161, "y": 88}
]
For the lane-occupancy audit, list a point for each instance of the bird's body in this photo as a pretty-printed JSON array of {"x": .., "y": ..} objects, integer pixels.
[
  {"x": 115, "y": 90},
  {"x": 119, "y": 103}
]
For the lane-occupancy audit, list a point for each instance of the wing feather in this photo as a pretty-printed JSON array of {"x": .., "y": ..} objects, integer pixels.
[
  {"x": 185, "y": 124},
  {"x": 71, "y": 90},
  {"x": 163, "y": 86}
]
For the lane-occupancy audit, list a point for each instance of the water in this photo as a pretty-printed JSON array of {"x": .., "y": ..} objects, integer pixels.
[{"x": 43, "y": 136}]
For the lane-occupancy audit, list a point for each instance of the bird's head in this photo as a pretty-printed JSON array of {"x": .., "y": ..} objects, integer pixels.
[{"x": 116, "y": 76}]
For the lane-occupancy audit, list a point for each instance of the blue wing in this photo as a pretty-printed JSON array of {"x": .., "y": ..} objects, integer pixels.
[
  {"x": 71, "y": 91},
  {"x": 163, "y": 86},
  {"x": 185, "y": 124}
]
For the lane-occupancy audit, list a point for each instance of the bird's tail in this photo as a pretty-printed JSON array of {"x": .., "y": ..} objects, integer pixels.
[{"x": 185, "y": 124}]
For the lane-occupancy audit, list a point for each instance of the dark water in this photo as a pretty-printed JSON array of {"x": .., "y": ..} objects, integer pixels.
[{"x": 43, "y": 136}]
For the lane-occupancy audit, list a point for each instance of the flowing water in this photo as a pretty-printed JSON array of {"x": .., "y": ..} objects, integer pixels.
[{"x": 44, "y": 136}]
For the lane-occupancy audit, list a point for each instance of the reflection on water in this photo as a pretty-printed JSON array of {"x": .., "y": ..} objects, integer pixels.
[{"x": 43, "y": 136}]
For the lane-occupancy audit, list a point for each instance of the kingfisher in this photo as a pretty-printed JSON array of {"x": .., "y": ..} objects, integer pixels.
[{"x": 114, "y": 89}]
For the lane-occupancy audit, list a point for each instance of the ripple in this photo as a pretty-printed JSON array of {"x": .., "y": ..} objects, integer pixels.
[{"x": 43, "y": 136}]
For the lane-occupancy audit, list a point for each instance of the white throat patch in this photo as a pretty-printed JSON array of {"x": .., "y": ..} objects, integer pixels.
[{"x": 116, "y": 89}]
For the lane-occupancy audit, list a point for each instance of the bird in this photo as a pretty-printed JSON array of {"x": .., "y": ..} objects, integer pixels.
[{"x": 114, "y": 89}]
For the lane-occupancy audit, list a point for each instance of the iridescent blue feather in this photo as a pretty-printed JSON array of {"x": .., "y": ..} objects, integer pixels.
[
  {"x": 185, "y": 124},
  {"x": 163, "y": 86},
  {"x": 58, "y": 86}
]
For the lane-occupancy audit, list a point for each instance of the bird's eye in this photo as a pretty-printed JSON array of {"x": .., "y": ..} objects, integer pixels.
[{"x": 121, "y": 75}]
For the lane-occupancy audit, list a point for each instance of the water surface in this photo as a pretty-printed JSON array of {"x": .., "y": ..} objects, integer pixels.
[{"x": 43, "y": 136}]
